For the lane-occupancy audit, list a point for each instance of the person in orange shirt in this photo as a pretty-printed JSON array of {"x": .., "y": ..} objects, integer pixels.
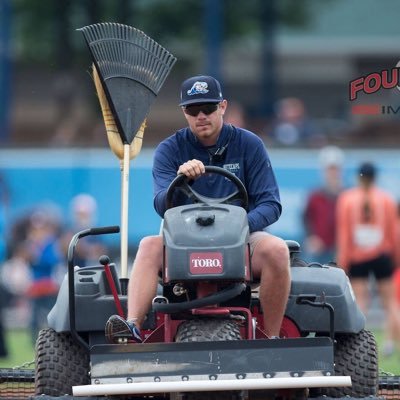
[{"x": 367, "y": 244}]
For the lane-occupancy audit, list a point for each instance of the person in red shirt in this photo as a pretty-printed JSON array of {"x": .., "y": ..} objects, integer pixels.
[
  {"x": 367, "y": 244},
  {"x": 320, "y": 209}
]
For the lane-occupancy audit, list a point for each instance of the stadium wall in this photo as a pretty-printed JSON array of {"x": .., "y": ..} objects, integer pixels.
[{"x": 52, "y": 177}]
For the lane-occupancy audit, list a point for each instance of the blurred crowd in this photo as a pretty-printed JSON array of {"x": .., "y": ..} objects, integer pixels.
[{"x": 34, "y": 261}]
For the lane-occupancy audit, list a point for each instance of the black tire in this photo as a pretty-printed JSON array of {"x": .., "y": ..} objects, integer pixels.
[
  {"x": 356, "y": 355},
  {"x": 347, "y": 398},
  {"x": 208, "y": 330},
  {"x": 60, "y": 363}
]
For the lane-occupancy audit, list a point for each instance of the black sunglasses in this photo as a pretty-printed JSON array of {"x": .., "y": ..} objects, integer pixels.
[{"x": 206, "y": 108}]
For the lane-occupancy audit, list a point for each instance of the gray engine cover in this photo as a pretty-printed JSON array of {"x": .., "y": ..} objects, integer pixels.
[
  {"x": 222, "y": 243},
  {"x": 330, "y": 284}
]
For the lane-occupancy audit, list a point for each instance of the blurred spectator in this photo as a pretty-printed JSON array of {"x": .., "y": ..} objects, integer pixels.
[
  {"x": 15, "y": 272},
  {"x": 367, "y": 244},
  {"x": 16, "y": 276},
  {"x": 44, "y": 256},
  {"x": 4, "y": 298},
  {"x": 83, "y": 215},
  {"x": 18, "y": 231},
  {"x": 4, "y": 203},
  {"x": 396, "y": 279},
  {"x": 319, "y": 215},
  {"x": 293, "y": 127},
  {"x": 235, "y": 115}
]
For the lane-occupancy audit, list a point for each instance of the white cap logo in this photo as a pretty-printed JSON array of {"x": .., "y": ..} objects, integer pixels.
[{"x": 198, "y": 88}]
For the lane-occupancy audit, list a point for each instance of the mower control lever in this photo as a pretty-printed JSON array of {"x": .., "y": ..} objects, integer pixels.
[
  {"x": 103, "y": 230},
  {"x": 104, "y": 260}
]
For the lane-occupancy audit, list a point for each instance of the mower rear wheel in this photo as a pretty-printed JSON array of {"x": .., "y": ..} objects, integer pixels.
[
  {"x": 356, "y": 356},
  {"x": 207, "y": 330},
  {"x": 60, "y": 363}
]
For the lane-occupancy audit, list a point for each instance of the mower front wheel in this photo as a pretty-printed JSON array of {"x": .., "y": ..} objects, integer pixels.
[
  {"x": 207, "y": 330},
  {"x": 60, "y": 363}
]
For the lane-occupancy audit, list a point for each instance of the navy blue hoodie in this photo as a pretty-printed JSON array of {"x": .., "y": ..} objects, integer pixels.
[{"x": 245, "y": 156}]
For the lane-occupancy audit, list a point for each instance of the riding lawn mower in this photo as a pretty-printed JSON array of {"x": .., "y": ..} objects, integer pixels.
[{"x": 204, "y": 335}]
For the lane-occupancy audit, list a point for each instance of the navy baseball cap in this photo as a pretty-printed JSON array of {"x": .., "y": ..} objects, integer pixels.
[
  {"x": 367, "y": 169},
  {"x": 200, "y": 89}
]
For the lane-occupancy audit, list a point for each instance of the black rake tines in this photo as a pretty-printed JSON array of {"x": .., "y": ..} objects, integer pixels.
[
  {"x": 123, "y": 51},
  {"x": 132, "y": 68}
]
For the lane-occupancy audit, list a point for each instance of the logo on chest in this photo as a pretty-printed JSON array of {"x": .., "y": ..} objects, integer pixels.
[{"x": 234, "y": 168}]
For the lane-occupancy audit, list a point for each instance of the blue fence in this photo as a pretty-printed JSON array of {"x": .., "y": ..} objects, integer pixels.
[{"x": 54, "y": 176}]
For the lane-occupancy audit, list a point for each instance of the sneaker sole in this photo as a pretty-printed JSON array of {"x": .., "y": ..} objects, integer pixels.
[{"x": 118, "y": 331}]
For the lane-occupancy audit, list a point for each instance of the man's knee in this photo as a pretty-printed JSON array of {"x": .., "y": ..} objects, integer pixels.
[
  {"x": 273, "y": 253},
  {"x": 273, "y": 248},
  {"x": 281, "y": 249},
  {"x": 150, "y": 252},
  {"x": 151, "y": 245}
]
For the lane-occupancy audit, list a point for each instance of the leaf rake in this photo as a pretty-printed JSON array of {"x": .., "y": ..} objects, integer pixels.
[
  {"x": 132, "y": 68},
  {"x": 129, "y": 70}
]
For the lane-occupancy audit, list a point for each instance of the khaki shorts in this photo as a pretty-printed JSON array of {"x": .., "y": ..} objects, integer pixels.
[{"x": 254, "y": 239}]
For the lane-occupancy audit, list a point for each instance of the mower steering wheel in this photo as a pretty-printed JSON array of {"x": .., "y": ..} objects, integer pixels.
[{"x": 181, "y": 182}]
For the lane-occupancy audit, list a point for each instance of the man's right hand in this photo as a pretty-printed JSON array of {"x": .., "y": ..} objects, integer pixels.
[{"x": 192, "y": 169}]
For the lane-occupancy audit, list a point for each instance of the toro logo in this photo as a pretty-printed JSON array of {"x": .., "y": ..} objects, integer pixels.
[{"x": 206, "y": 263}]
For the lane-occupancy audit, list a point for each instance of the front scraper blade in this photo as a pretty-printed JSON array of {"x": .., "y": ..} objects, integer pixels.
[{"x": 212, "y": 366}]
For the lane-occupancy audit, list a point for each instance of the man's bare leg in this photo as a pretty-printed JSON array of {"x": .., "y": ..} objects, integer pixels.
[
  {"x": 143, "y": 281},
  {"x": 270, "y": 262}
]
